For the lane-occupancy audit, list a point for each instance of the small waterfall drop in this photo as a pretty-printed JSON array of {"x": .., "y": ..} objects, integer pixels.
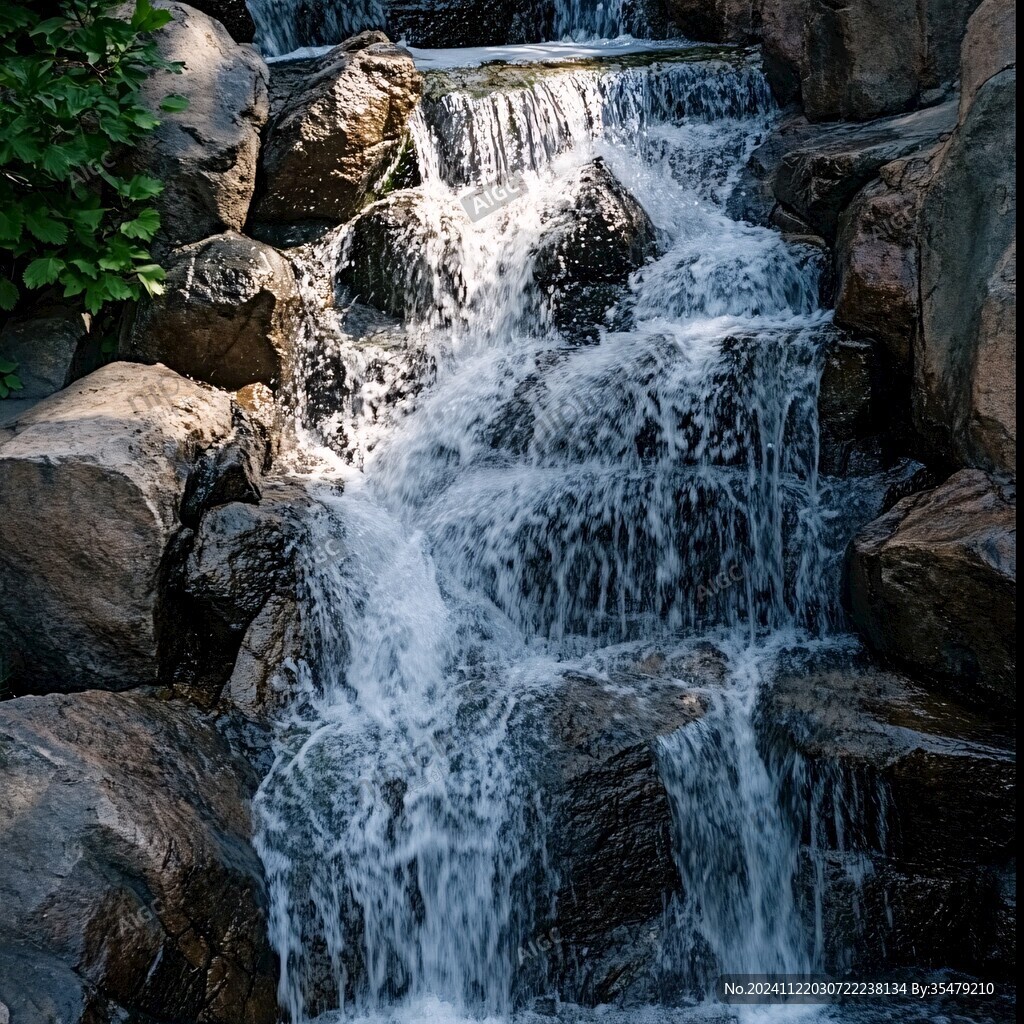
[{"x": 540, "y": 506}]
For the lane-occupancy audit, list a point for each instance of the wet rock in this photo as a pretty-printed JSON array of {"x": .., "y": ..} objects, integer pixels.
[
  {"x": 966, "y": 355},
  {"x": 398, "y": 259},
  {"x": 923, "y": 788},
  {"x": 45, "y": 347},
  {"x": 228, "y": 316},
  {"x": 467, "y": 22},
  {"x": 206, "y": 155},
  {"x": 232, "y": 14},
  {"x": 231, "y": 591},
  {"x": 92, "y": 481},
  {"x": 932, "y": 586},
  {"x": 597, "y": 237},
  {"x": 720, "y": 21},
  {"x": 610, "y": 827},
  {"x": 128, "y": 886},
  {"x": 850, "y": 401},
  {"x": 825, "y": 169},
  {"x": 338, "y": 130},
  {"x": 877, "y": 257}
]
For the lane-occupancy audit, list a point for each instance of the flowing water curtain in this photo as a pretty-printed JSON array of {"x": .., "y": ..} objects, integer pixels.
[
  {"x": 539, "y": 501},
  {"x": 283, "y": 26}
]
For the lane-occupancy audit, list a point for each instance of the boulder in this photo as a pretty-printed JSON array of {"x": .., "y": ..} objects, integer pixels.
[
  {"x": 610, "y": 826},
  {"x": 877, "y": 258},
  {"x": 864, "y": 60},
  {"x": 231, "y": 585},
  {"x": 128, "y": 888},
  {"x": 910, "y": 803},
  {"x": 597, "y": 236},
  {"x": 92, "y": 479},
  {"x": 206, "y": 155},
  {"x": 229, "y": 314},
  {"x": 394, "y": 259},
  {"x": 46, "y": 346},
  {"x": 966, "y": 355},
  {"x": 931, "y": 585},
  {"x": 338, "y": 129},
  {"x": 821, "y": 170}
]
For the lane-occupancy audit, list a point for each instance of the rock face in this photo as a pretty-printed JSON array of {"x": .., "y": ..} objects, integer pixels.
[
  {"x": 598, "y": 236},
  {"x": 724, "y": 21},
  {"x": 877, "y": 257},
  {"x": 232, "y": 588},
  {"x": 92, "y": 480},
  {"x": 207, "y": 154},
  {"x": 336, "y": 133},
  {"x": 822, "y": 170},
  {"x": 128, "y": 886},
  {"x": 863, "y": 60},
  {"x": 45, "y": 346},
  {"x": 395, "y": 260},
  {"x": 228, "y": 316},
  {"x": 966, "y": 357},
  {"x": 932, "y": 586},
  {"x": 925, "y": 788},
  {"x": 610, "y": 829}
]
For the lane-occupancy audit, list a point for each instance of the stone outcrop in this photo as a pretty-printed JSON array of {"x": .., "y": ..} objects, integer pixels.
[
  {"x": 232, "y": 593},
  {"x": 965, "y": 360},
  {"x": 724, "y": 21},
  {"x": 337, "y": 131},
  {"x": 128, "y": 886},
  {"x": 820, "y": 172},
  {"x": 932, "y": 586},
  {"x": 47, "y": 346},
  {"x": 92, "y": 480},
  {"x": 206, "y": 155},
  {"x": 924, "y": 789},
  {"x": 395, "y": 260},
  {"x": 598, "y": 235},
  {"x": 229, "y": 314}
]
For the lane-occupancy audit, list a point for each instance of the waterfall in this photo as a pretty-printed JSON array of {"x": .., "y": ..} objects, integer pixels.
[{"x": 540, "y": 505}]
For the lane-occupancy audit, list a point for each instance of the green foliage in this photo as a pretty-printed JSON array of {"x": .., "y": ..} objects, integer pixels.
[
  {"x": 69, "y": 102},
  {"x": 9, "y": 380}
]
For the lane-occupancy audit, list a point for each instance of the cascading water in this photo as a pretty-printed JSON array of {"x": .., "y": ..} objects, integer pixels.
[{"x": 545, "y": 507}]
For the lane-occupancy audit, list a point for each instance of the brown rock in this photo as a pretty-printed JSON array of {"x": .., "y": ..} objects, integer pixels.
[
  {"x": 90, "y": 483},
  {"x": 336, "y": 133},
  {"x": 128, "y": 885},
  {"x": 932, "y": 586},
  {"x": 229, "y": 314}
]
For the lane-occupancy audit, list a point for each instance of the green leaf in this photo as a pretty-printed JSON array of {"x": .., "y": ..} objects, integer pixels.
[
  {"x": 42, "y": 272},
  {"x": 45, "y": 228},
  {"x": 8, "y": 294},
  {"x": 12, "y": 219},
  {"x": 145, "y": 226},
  {"x": 13, "y": 381},
  {"x": 6, "y": 366},
  {"x": 174, "y": 103}
]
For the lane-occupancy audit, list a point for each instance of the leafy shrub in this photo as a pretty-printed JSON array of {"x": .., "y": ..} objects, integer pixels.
[{"x": 70, "y": 102}]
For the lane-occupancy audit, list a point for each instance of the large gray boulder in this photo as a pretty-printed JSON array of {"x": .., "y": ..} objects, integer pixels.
[
  {"x": 46, "y": 345},
  {"x": 932, "y": 586},
  {"x": 206, "y": 155},
  {"x": 90, "y": 485},
  {"x": 229, "y": 314},
  {"x": 966, "y": 357},
  {"x": 128, "y": 886},
  {"x": 338, "y": 129}
]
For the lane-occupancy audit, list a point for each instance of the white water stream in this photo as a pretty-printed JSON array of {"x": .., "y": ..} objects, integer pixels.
[{"x": 540, "y": 508}]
